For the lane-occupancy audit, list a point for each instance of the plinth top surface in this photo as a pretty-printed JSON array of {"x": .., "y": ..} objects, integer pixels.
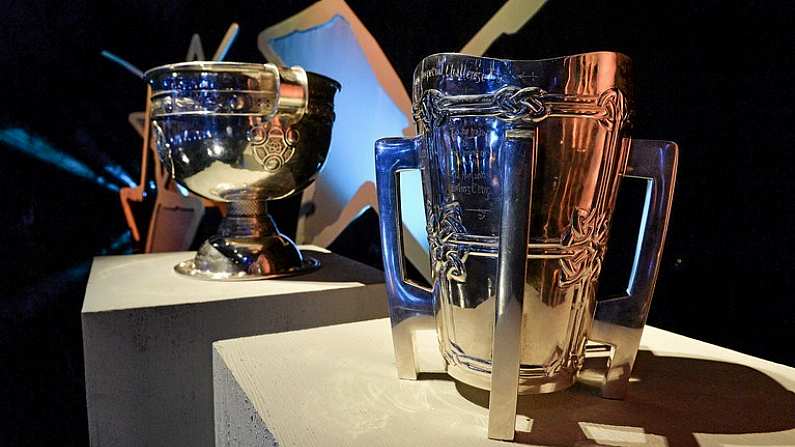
[
  {"x": 338, "y": 386},
  {"x": 149, "y": 280}
]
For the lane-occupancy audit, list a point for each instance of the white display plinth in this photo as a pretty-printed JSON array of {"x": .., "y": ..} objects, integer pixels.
[
  {"x": 147, "y": 335},
  {"x": 337, "y": 386}
]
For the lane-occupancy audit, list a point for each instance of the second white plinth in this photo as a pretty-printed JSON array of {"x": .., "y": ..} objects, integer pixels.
[{"x": 337, "y": 386}]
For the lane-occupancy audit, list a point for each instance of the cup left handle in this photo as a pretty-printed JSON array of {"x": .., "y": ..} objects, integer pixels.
[{"x": 410, "y": 305}]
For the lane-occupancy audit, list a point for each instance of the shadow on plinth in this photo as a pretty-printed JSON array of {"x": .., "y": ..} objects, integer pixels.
[{"x": 669, "y": 399}]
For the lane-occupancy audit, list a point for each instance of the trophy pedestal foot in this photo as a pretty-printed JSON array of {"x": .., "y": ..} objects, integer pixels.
[
  {"x": 189, "y": 268},
  {"x": 248, "y": 246}
]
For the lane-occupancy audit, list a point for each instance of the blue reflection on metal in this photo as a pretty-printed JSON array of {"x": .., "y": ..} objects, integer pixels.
[
  {"x": 182, "y": 190},
  {"x": 394, "y": 155},
  {"x": 641, "y": 233},
  {"x": 22, "y": 141},
  {"x": 332, "y": 49}
]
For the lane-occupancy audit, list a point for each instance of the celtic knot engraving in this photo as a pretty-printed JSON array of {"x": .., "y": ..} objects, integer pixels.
[
  {"x": 428, "y": 109},
  {"x": 587, "y": 239},
  {"x": 519, "y": 103},
  {"x": 615, "y": 108},
  {"x": 273, "y": 145},
  {"x": 509, "y": 103},
  {"x": 447, "y": 260},
  {"x": 528, "y": 105}
]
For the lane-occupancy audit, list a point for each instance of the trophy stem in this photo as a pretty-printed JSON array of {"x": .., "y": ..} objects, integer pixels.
[
  {"x": 247, "y": 219},
  {"x": 247, "y": 246}
]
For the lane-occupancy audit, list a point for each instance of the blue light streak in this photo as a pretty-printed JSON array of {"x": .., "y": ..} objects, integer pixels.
[
  {"x": 127, "y": 66},
  {"x": 36, "y": 147},
  {"x": 121, "y": 245},
  {"x": 120, "y": 174}
]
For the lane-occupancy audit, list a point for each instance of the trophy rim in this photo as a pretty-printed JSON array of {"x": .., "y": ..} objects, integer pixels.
[
  {"x": 548, "y": 59},
  {"x": 554, "y": 79},
  {"x": 226, "y": 66}
]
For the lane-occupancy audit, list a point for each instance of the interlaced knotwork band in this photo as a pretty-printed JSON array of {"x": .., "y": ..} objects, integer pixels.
[
  {"x": 526, "y": 104},
  {"x": 509, "y": 103}
]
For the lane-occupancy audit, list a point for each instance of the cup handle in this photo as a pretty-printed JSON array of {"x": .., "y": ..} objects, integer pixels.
[
  {"x": 410, "y": 306},
  {"x": 619, "y": 321}
]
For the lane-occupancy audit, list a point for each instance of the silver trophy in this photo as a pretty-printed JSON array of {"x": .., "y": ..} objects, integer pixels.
[
  {"x": 521, "y": 164},
  {"x": 242, "y": 134}
]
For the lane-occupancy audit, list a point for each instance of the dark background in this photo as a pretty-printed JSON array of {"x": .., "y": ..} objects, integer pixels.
[{"x": 710, "y": 75}]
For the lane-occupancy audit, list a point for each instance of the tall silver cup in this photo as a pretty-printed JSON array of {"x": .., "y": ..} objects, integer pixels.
[{"x": 521, "y": 163}]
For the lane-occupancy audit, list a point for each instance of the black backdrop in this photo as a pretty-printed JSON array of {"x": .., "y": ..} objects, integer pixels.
[{"x": 709, "y": 75}]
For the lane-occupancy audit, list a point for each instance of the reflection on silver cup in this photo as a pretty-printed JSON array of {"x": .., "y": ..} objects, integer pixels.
[
  {"x": 521, "y": 163},
  {"x": 242, "y": 134}
]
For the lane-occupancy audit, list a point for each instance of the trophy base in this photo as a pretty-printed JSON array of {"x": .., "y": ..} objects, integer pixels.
[
  {"x": 527, "y": 385},
  {"x": 247, "y": 247},
  {"x": 188, "y": 268}
]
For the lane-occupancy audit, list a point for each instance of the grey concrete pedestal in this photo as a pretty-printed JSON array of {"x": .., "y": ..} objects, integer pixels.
[
  {"x": 147, "y": 335},
  {"x": 338, "y": 386}
]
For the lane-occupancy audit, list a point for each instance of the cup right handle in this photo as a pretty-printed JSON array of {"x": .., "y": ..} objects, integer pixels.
[{"x": 619, "y": 321}]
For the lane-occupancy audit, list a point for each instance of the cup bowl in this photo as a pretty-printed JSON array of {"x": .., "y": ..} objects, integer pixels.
[{"x": 220, "y": 132}]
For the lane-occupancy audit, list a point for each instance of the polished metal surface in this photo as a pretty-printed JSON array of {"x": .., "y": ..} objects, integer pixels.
[
  {"x": 242, "y": 134},
  {"x": 517, "y": 162},
  {"x": 521, "y": 162}
]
